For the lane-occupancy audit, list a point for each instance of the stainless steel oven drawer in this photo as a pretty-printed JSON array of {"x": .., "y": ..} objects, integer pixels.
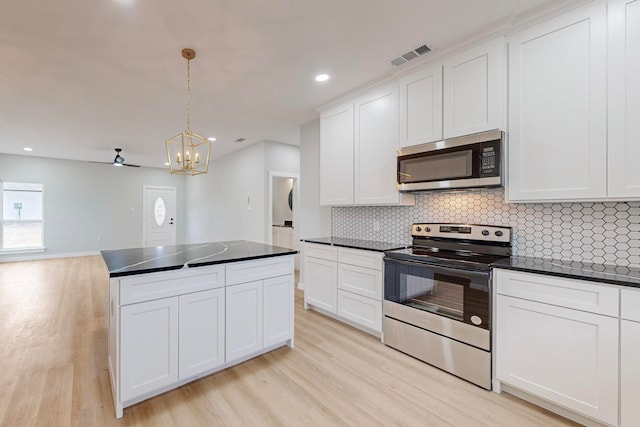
[
  {"x": 459, "y": 331},
  {"x": 464, "y": 361}
]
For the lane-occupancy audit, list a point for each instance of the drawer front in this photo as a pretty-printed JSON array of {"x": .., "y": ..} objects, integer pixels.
[
  {"x": 153, "y": 286},
  {"x": 367, "y": 259},
  {"x": 570, "y": 293},
  {"x": 327, "y": 252},
  {"x": 249, "y": 271},
  {"x": 630, "y": 300},
  {"x": 361, "y": 281},
  {"x": 360, "y": 310}
]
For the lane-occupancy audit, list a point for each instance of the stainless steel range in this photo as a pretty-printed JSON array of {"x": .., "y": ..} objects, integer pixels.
[{"x": 437, "y": 296}]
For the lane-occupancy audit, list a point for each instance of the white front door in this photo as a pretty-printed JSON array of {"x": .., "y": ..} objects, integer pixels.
[{"x": 159, "y": 216}]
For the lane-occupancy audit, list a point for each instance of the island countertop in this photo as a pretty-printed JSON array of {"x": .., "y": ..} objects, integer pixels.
[{"x": 126, "y": 262}]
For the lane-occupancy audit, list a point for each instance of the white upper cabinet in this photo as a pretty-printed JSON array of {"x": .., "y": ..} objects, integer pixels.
[
  {"x": 358, "y": 149},
  {"x": 474, "y": 82},
  {"x": 336, "y": 155},
  {"x": 557, "y": 108},
  {"x": 420, "y": 109},
  {"x": 376, "y": 145},
  {"x": 624, "y": 98}
]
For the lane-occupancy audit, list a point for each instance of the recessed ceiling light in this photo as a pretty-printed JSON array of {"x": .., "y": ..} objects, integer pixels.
[
  {"x": 211, "y": 138},
  {"x": 28, "y": 149},
  {"x": 166, "y": 163},
  {"x": 322, "y": 77}
]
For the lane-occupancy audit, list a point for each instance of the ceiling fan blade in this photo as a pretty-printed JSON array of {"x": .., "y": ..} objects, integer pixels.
[
  {"x": 131, "y": 166},
  {"x": 102, "y": 163}
]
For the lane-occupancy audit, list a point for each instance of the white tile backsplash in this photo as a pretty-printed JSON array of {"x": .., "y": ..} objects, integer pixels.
[{"x": 607, "y": 233}]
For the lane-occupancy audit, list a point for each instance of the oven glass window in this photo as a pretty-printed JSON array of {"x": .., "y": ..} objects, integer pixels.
[{"x": 460, "y": 296}]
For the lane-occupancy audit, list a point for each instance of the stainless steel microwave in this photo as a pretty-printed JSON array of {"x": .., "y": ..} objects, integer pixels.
[{"x": 465, "y": 162}]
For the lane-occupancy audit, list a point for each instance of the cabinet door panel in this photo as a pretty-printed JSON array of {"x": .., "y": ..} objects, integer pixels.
[
  {"x": 361, "y": 281},
  {"x": 364, "y": 311},
  {"x": 474, "y": 90},
  {"x": 149, "y": 352},
  {"x": 420, "y": 108},
  {"x": 624, "y": 98},
  {"x": 565, "y": 356},
  {"x": 629, "y": 373},
  {"x": 244, "y": 320},
  {"x": 278, "y": 310},
  {"x": 557, "y": 108},
  {"x": 321, "y": 283},
  {"x": 201, "y": 332},
  {"x": 376, "y": 145},
  {"x": 336, "y": 156}
]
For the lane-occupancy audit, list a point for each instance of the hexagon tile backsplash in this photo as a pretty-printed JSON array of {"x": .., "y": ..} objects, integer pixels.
[{"x": 605, "y": 233}]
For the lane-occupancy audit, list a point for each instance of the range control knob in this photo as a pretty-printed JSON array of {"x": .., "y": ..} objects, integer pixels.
[
  {"x": 428, "y": 230},
  {"x": 499, "y": 233},
  {"x": 485, "y": 232},
  {"x": 418, "y": 228}
]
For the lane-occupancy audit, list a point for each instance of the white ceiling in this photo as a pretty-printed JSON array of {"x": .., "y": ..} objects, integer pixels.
[{"x": 78, "y": 77}]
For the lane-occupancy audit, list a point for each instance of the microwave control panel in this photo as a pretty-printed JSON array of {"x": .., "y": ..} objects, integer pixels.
[{"x": 489, "y": 160}]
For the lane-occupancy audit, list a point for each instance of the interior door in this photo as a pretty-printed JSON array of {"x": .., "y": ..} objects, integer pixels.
[{"x": 159, "y": 216}]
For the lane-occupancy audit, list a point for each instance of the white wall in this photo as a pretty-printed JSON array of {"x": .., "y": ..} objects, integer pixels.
[
  {"x": 315, "y": 220},
  {"x": 84, "y": 202},
  {"x": 230, "y": 202}
]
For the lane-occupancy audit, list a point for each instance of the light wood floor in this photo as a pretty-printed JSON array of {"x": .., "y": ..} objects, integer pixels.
[{"x": 53, "y": 370}]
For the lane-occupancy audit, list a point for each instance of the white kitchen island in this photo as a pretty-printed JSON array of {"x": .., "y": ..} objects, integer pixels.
[{"x": 178, "y": 313}]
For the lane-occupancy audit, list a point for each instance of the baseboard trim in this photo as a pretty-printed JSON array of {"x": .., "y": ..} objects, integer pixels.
[{"x": 35, "y": 257}]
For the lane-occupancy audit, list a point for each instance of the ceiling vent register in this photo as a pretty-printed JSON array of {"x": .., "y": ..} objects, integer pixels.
[{"x": 412, "y": 54}]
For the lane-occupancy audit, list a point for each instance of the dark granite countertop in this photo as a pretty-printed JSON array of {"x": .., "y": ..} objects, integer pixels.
[
  {"x": 126, "y": 262},
  {"x": 369, "y": 245},
  {"x": 617, "y": 275}
]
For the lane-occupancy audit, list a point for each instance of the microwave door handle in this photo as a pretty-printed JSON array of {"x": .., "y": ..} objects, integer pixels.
[{"x": 442, "y": 270}]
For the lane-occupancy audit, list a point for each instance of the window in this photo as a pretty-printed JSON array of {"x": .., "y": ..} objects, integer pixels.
[{"x": 22, "y": 224}]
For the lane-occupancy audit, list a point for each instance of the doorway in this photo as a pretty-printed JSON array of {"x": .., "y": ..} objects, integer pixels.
[
  {"x": 158, "y": 216},
  {"x": 282, "y": 217}
]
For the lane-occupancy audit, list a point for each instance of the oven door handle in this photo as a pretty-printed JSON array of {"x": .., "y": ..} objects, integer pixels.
[{"x": 442, "y": 270}]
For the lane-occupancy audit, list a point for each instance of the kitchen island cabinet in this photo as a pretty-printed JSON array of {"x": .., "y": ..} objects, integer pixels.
[{"x": 177, "y": 313}]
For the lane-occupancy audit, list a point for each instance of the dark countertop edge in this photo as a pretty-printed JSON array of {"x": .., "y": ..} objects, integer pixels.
[
  {"x": 248, "y": 258},
  {"x": 364, "y": 248},
  {"x": 198, "y": 264},
  {"x": 147, "y": 271},
  {"x": 588, "y": 276}
]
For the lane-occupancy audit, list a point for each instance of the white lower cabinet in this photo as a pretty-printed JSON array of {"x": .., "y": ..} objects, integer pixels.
[
  {"x": 361, "y": 310},
  {"x": 194, "y": 322},
  {"x": 629, "y": 373},
  {"x": 320, "y": 283},
  {"x": 201, "y": 331},
  {"x": 344, "y": 283},
  {"x": 630, "y": 358},
  {"x": 244, "y": 320},
  {"x": 549, "y": 347},
  {"x": 277, "y": 294},
  {"x": 149, "y": 340}
]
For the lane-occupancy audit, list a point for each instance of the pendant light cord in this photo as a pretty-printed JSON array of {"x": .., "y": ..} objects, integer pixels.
[{"x": 188, "y": 94}]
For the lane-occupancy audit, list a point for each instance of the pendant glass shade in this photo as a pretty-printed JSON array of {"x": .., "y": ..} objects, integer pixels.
[{"x": 188, "y": 153}]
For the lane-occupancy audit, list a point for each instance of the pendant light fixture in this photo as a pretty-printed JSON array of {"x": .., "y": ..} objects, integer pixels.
[{"x": 188, "y": 152}]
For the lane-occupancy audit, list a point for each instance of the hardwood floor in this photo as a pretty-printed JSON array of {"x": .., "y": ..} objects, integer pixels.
[{"x": 53, "y": 370}]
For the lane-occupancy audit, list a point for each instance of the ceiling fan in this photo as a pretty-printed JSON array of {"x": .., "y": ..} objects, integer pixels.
[{"x": 118, "y": 160}]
